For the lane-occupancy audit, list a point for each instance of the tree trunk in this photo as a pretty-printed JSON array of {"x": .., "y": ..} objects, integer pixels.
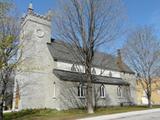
[
  {"x": 149, "y": 93},
  {"x": 2, "y": 100},
  {"x": 95, "y": 98},
  {"x": 149, "y": 102},
  {"x": 89, "y": 90},
  {"x": 149, "y": 99},
  {"x": 1, "y": 111},
  {"x": 89, "y": 96}
]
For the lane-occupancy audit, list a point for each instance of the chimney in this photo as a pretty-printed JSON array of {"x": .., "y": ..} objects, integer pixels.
[
  {"x": 30, "y": 8},
  {"x": 119, "y": 60}
]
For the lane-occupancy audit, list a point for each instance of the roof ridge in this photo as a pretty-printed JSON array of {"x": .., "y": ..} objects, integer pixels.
[{"x": 101, "y": 59}]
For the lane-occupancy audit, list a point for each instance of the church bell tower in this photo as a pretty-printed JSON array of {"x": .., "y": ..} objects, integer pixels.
[{"x": 34, "y": 72}]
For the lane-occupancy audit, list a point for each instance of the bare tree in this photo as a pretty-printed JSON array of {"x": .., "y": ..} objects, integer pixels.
[
  {"x": 9, "y": 32},
  {"x": 87, "y": 25},
  {"x": 142, "y": 52}
]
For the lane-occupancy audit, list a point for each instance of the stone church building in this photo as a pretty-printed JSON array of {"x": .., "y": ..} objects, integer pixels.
[{"x": 49, "y": 77}]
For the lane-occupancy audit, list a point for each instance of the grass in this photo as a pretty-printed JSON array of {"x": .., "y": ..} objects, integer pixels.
[{"x": 49, "y": 114}]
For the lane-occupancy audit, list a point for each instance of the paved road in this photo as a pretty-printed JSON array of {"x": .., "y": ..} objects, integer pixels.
[
  {"x": 148, "y": 116},
  {"x": 152, "y": 114}
]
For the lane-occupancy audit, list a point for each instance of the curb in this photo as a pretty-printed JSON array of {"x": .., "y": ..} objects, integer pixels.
[{"x": 121, "y": 115}]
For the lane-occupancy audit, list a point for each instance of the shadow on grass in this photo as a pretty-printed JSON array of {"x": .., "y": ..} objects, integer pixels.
[
  {"x": 50, "y": 114},
  {"x": 28, "y": 112},
  {"x": 42, "y": 112}
]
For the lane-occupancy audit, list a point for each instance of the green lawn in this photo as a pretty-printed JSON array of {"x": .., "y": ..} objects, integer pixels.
[{"x": 48, "y": 114}]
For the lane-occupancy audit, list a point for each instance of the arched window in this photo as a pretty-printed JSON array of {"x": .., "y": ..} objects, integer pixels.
[
  {"x": 94, "y": 71},
  {"x": 54, "y": 89},
  {"x": 81, "y": 91},
  {"x": 110, "y": 74},
  {"x": 119, "y": 91},
  {"x": 17, "y": 97},
  {"x": 102, "y": 91},
  {"x": 73, "y": 68}
]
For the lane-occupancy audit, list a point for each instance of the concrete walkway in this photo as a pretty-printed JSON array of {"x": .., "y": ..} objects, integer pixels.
[
  {"x": 8, "y": 111},
  {"x": 122, "y": 115}
]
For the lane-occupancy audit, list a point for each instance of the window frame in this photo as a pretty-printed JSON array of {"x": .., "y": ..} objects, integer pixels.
[
  {"x": 94, "y": 71},
  {"x": 73, "y": 68},
  {"x": 54, "y": 90},
  {"x": 102, "y": 91},
  {"x": 110, "y": 74},
  {"x": 81, "y": 90},
  {"x": 119, "y": 91}
]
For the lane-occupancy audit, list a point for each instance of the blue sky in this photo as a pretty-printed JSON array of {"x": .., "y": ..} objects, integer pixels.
[
  {"x": 140, "y": 12},
  {"x": 40, "y": 6}
]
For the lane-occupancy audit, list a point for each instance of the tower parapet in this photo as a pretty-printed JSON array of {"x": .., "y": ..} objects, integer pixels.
[{"x": 30, "y": 12}]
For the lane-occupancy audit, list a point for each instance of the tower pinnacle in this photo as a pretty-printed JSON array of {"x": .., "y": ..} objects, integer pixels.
[{"x": 30, "y": 8}]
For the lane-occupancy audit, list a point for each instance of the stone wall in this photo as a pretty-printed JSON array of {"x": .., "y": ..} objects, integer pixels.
[
  {"x": 131, "y": 79},
  {"x": 68, "y": 97},
  {"x": 35, "y": 72}
]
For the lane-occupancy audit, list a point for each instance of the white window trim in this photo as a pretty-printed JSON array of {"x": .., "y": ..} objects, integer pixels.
[
  {"x": 93, "y": 71},
  {"x": 119, "y": 91},
  {"x": 73, "y": 68},
  {"x": 102, "y": 89},
  {"x": 110, "y": 74},
  {"x": 80, "y": 88},
  {"x": 80, "y": 68},
  {"x": 54, "y": 90}
]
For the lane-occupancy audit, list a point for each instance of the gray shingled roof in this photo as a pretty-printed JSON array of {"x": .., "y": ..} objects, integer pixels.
[
  {"x": 80, "y": 77},
  {"x": 60, "y": 52}
]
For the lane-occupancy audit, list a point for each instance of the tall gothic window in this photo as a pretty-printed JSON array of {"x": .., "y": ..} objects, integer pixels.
[
  {"x": 102, "y": 91},
  {"x": 54, "y": 89},
  {"x": 17, "y": 95},
  {"x": 119, "y": 91},
  {"x": 81, "y": 90}
]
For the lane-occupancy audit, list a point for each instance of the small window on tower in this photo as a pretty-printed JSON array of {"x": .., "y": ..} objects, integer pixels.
[{"x": 54, "y": 89}]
